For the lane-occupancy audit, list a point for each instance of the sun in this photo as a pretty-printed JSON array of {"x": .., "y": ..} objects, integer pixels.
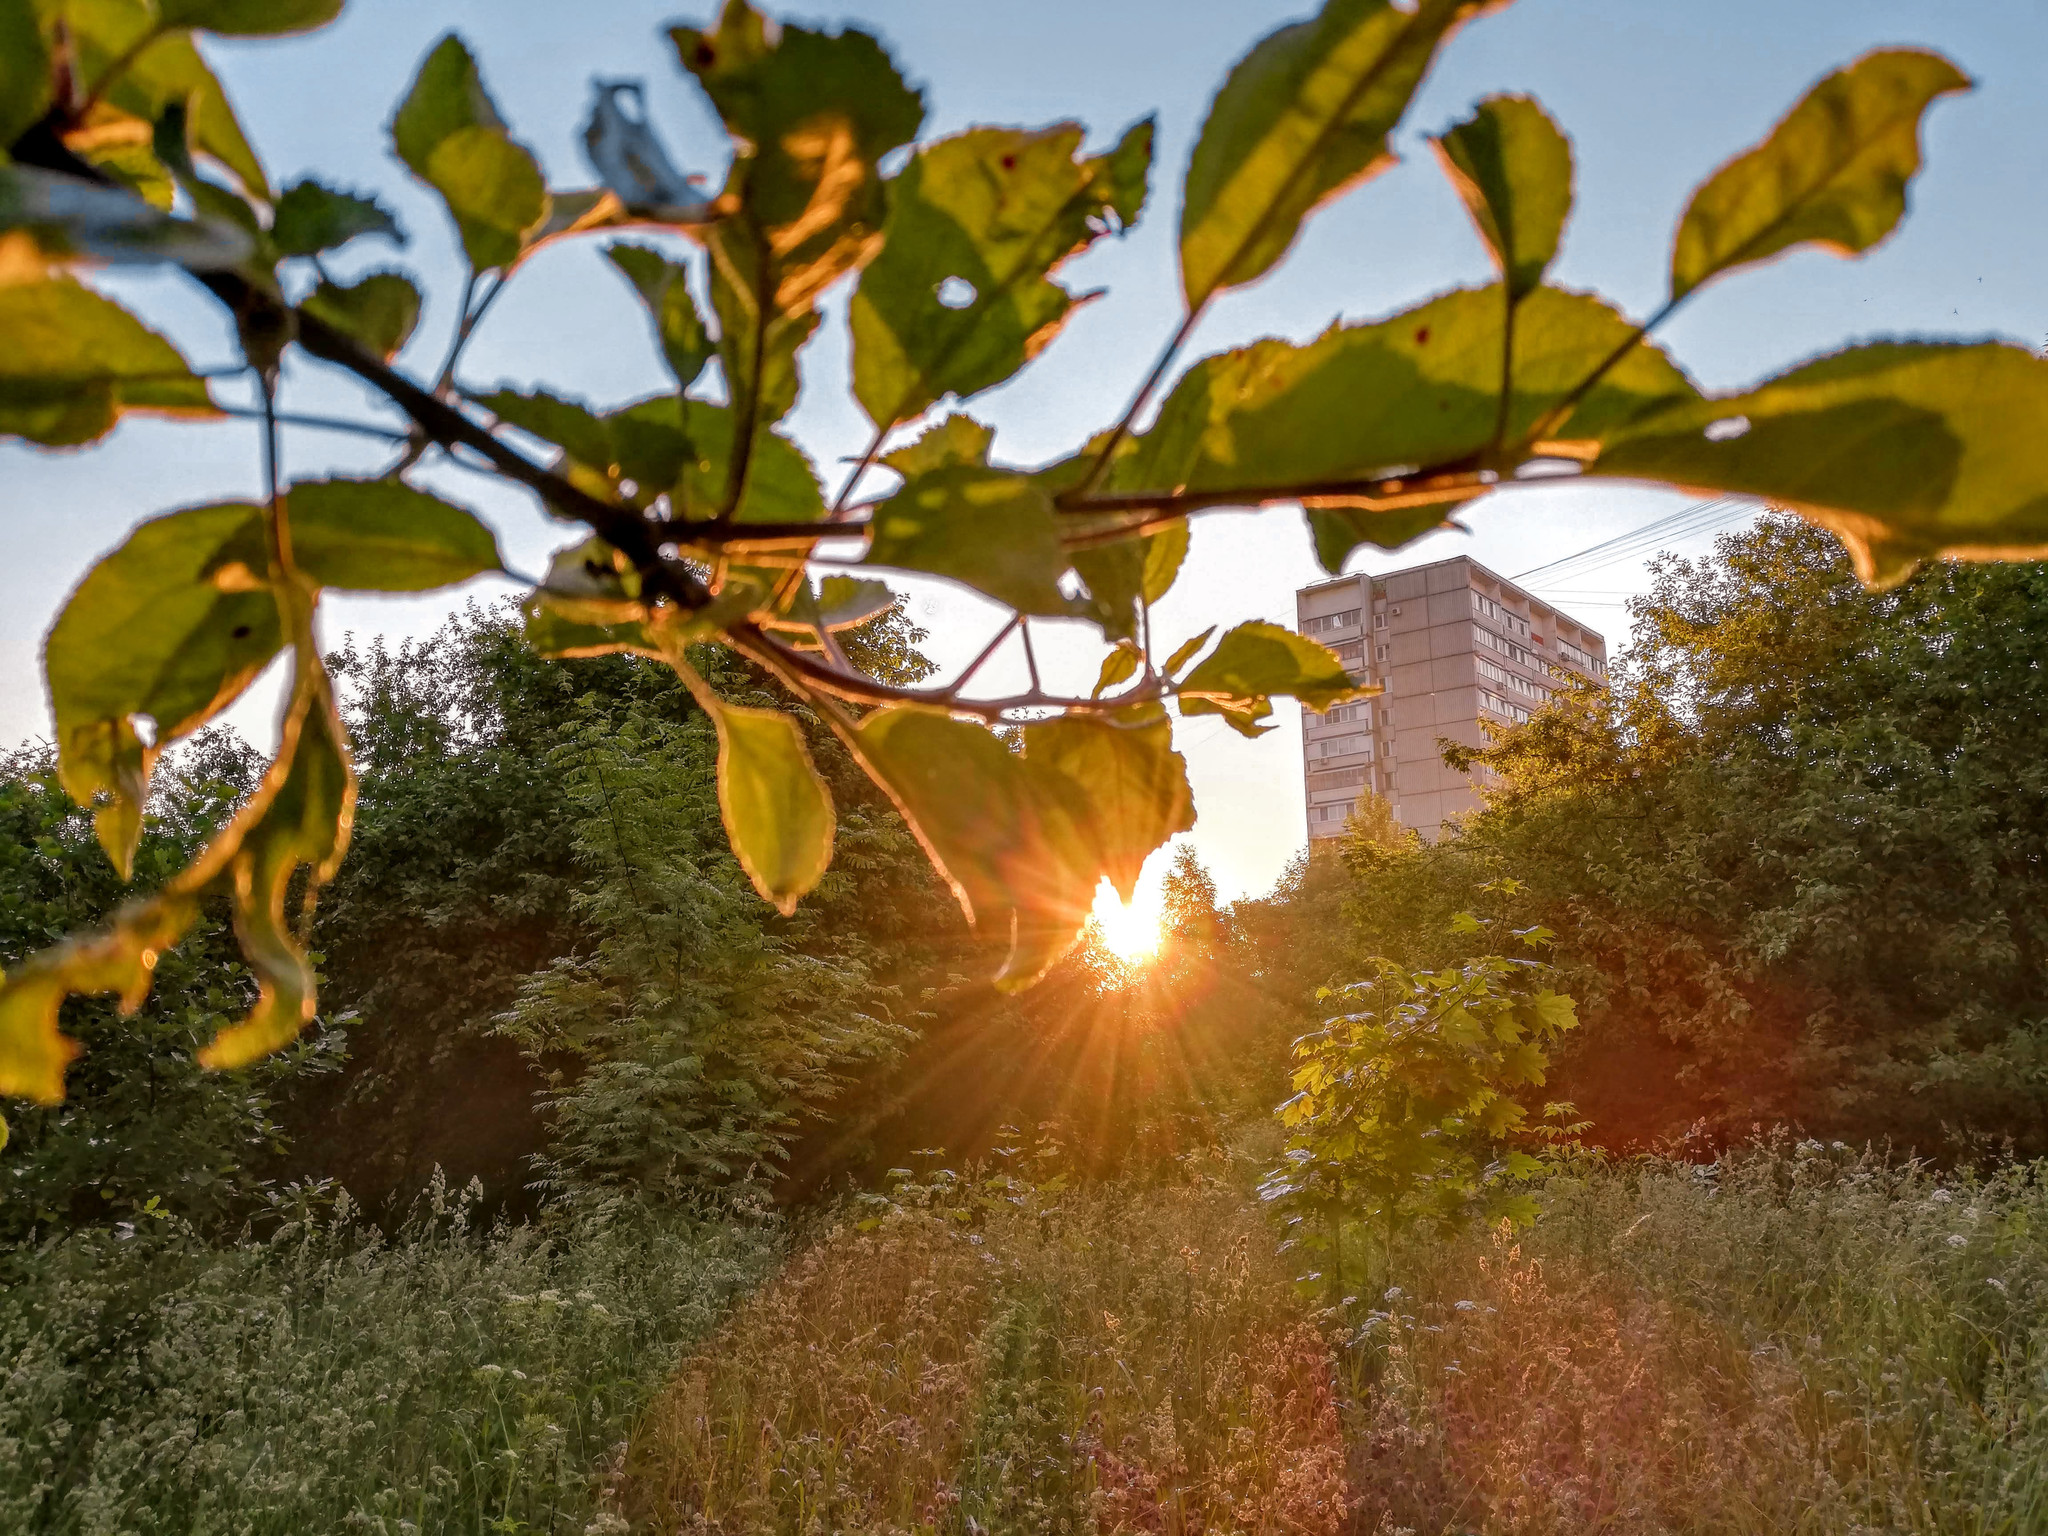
[{"x": 1131, "y": 933}]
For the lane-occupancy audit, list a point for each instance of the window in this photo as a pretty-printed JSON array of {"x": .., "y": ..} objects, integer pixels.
[
  {"x": 1387, "y": 780},
  {"x": 1487, "y": 608},
  {"x": 1344, "y": 778},
  {"x": 1341, "y": 713},
  {"x": 1379, "y": 653},
  {"x": 1341, "y": 746},
  {"x": 1501, "y": 707},
  {"x": 1507, "y": 648},
  {"x": 1513, "y": 682},
  {"x": 1341, "y": 811},
  {"x": 1349, "y": 651},
  {"x": 1386, "y": 717},
  {"x": 1584, "y": 660},
  {"x": 1379, "y": 621},
  {"x": 1348, "y": 619}
]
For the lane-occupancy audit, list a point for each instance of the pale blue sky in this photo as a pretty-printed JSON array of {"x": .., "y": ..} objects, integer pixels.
[{"x": 1655, "y": 94}]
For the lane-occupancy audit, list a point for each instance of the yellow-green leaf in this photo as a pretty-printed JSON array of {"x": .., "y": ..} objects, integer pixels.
[
  {"x": 960, "y": 296},
  {"x": 989, "y": 529},
  {"x": 778, "y": 812},
  {"x": 73, "y": 362},
  {"x": 1008, "y": 835},
  {"x": 1832, "y": 174},
  {"x": 169, "y": 628},
  {"x": 310, "y": 218},
  {"x": 1257, "y": 660},
  {"x": 1908, "y": 451},
  {"x": 493, "y": 188},
  {"x": 306, "y": 824},
  {"x": 384, "y": 536},
  {"x": 1135, "y": 784},
  {"x": 379, "y": 311},
  {"x": 249, "y": 18},
  {"x": 24, "y": 69},
  {"x": 553, "y": 630},
  {"x": 1123, "y": 576},
  {"x": 663, "y": 286},
  {"x": 1513, "y": 169},
  {"x": 1304, "y": 116},
  {"x": 166, "y": 72}
]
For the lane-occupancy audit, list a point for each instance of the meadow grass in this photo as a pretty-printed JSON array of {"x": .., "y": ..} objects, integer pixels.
[{"x": 326, "y": 1378}]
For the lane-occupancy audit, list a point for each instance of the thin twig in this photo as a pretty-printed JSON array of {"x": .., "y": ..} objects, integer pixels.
[{"x": 316, "y": 423}]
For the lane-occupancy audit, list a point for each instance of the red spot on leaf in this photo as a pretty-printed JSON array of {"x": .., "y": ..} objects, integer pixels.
[
  {"x": 705, "y": 56},
  {"x": 1009, "y": 162},
  {"x": 1422, "y": 336}
]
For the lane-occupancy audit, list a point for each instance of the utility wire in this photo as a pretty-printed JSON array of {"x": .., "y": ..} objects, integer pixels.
[{"x": 1682, "y": 523}]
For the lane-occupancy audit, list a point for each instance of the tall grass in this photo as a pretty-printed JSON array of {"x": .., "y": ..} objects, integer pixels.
[
  {"x": 1129, "y": 1357},
  {"x": 1799, "y": 1339},
  {"x": 328, "y": 1379}
]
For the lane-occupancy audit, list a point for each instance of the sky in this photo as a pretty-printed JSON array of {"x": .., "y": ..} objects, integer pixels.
[{"x": 1654, "y": 93}]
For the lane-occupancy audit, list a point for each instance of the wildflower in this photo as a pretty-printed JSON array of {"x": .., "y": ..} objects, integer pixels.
[
  {"x": 490, "y": 1372},
  {"x": 1393, "y": 1293},
  {"x": 1941, "y": 1197},
  {"x": 1995, "y": 1283},
  {"x": 1466, "y": 1306},
  {"x": 1957, "y": 1240}
]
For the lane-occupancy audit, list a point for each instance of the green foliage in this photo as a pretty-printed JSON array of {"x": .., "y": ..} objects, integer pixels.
[
  {"x": 1409, "y": 1108},
  {"x": 1793, "y": 857},
  {"x": 700, "y": 519}
]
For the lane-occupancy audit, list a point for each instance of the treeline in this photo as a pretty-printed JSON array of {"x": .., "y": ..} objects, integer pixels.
[
  {"x": 1794, "y": 856},
  {"x": 543, "y": 970}
]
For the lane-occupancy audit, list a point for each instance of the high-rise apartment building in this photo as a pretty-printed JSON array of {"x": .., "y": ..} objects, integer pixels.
[{"x": 1452, "y": 645}]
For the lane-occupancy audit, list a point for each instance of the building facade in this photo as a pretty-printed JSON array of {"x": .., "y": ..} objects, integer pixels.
[{"x": 1452, "y": 645}]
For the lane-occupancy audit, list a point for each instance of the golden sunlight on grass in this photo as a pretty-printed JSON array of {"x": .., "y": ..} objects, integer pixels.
[{"x": 1130, "y": 932}]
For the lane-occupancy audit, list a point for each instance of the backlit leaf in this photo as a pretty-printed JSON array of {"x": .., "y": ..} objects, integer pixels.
[
  {"x": 1121, "y": 577},
  {"x": 1303, "y": 117},
  {"x": 1832, "y": 174},
  {"x": 1907, "y": 451},
  {"x": 1119, "y": 666},
  {"x": 448, "y": 131},
  {"x": 1009, "y": 835},
  {"x": 777, "y": 810},
  {"x": 73, "y": 362},
  {"x": 378, "y": 311},
  {"x": 384, "y": 536},
  {"x": 956, "y": 440},
  {"x": 1257, "y": 660},
  {"x": 307, "y": 824},
  {"x": 1513, "y": 168},
  {"x": 663, "y": 286},
  {"x": 169, "y": 628},
  {"x": 164, "y": 73},
  {"x": 1135, "y": 783},
  {"x": 990, "y": 529},
  {"x": 310, "y": 217},
  {"x": 811, "y": 115},
  {"x": 24, "y": 69},
  {"x": 551, "y": 631},
  {"x": 960, "y": 297},
  {"x": 782, "y": 487},
  {"x": 572, "y": 426},
  {"x": 249, "y": 18}
]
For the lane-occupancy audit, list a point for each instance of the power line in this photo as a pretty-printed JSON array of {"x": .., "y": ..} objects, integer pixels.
[{"x": 1680, "y": 524}]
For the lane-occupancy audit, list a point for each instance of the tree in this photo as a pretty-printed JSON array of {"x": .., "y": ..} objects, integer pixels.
[
  {"x": 705, "y": 521},
  {"x": 1794, "y": 853}
]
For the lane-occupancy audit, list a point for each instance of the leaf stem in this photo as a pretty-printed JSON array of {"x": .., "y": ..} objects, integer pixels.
[
  {"x": 1122, "y": 429},
  {"x": 316, "y": 423},
  {"x": 1560, "y": 413}
]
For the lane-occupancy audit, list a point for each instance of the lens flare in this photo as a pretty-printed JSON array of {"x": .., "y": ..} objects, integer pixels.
[{"x": 1132, "y": 932}]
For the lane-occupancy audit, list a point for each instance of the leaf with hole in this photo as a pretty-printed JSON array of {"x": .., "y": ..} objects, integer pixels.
[
  {"x": 1907, "y": 451},
  {"x": 74, "y": 362},
  {"x": 1512, "y": 167},
  {"x": 379, "y": 311},
  {"x": 1302, "y": 118},
  {"x": 960, "y": 296},
  {"x": 1833, "y": 173}
]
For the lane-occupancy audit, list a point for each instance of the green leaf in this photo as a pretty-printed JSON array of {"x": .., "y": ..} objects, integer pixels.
[
  {"x": 1121, "y": 577},
  {"x": 1007, "y": 834},
  {"x": 1302, "y": 118},
  {"x": 1336, "y": 530},
  {"x": 170, "y": 627},
  {"x": 837, "y": 603},
  {"x": 663, "y": 285},
  {"x": 306, "y": 824},
  {"x": 1513, "y": 168},
  {"x": 1256, "y": 660},
  {"x": 493, "y": 188},
  {"x": 73, "y": 362},
  {"x": 164, "y": 73},
  {"x": 778, "y": 812},
  {"x": 1185, "y": 651},
  {"x": 1124, "y": 175},
  {"x": 384, "y": 536},
  {"x": 1553, "y": 1011},
  {"x": 33, "y": 1050},
  {"x": 803, "y": 203},
  {"x": 782, "y": 487},
  {"x": 24, "y": 69},
  {"x": 1119, "y": 666},
  {"x": 310, "y": 218},
  {"x": 447, "y": 130},
  {"x": 956, "y": 440},
  {"x": 1832, "y": 174},
  {"x": 248, "y": 18},
  {"x": 959, "y": 298},
  {"x": 1907, "y": 451},
  {"x": 552, "y": 631},
  {"x": 379, "y": 311},
  {"x": 990, "y": 529},
  {"x": 573, "y": 427},
  {"x": 1136, "y": 785}
]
